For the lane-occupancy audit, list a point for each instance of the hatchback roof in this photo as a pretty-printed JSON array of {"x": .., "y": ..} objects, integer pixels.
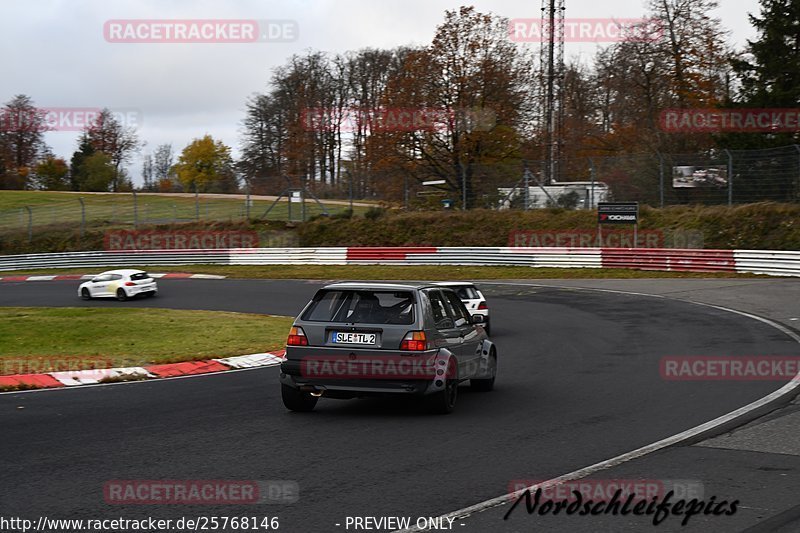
[
  {"x": 376, "y": 285},
  {"x": 455, "y": 283}
]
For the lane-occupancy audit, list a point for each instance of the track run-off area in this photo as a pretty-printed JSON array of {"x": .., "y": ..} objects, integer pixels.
[{"x": 579, "y": 382}]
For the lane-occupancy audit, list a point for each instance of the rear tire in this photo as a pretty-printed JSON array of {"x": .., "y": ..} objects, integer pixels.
[
  {"x": 444, "y": 402},
  {"x": 297, "y": 400},
  {"x": 151, "y": 294},
  {"x": 487, "y": 326},
  {"x": 487, "y": 384},
  {"x": 122, "y": 295},
  {"x": 85, "y": 294}
]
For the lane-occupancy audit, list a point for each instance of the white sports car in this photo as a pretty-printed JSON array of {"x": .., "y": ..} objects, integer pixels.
[{"x": 120, "y": 284}]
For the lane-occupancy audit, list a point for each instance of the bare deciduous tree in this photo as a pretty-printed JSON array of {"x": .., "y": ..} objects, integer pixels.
[
  {"x": 22, "y": 127},
  {"x": 108, "y": 135}
]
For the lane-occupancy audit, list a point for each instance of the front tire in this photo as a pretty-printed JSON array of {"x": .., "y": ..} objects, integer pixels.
[
  {"x": 297, "y": 400},
  {"x": 85, "y": 294},
  {"x": 122, "y": 295}
]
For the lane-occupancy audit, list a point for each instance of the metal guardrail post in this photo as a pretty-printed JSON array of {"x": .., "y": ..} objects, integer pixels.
[
  {"x": 661, "y": 177},
  {"x": 247, "y": 204},
  {"x": 303, "y": 204},
  {"x": 83, "y": 216},
  {"x": 350, "y": 187},
  {"x": 30, "y": 224},
  {"x": 405, "y": 192},
  {"x": 526, "y": 176},
  {"x": 135, "y": 211},
  {"x": 463, "y": 187},
  {"x": 797, "y": 189},
  {"x": 730, "y": 177}
]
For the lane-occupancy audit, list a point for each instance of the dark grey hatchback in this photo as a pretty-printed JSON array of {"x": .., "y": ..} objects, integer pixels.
[{"x": 363, "y": 339}]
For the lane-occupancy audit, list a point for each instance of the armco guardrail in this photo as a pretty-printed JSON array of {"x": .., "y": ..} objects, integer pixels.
[
  {"x": 766, "y": 262},
  {"x": 774, "y": 263}
]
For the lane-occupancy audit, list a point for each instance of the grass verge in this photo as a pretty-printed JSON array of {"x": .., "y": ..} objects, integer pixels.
[
  {"x": 99, "y": 338},
  {"x": 383, "y": 272}
]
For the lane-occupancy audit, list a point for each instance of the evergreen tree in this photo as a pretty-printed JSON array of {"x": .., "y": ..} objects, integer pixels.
[
  {"x": 769, "y": 71},
  {"x": 77, "y": 176}
]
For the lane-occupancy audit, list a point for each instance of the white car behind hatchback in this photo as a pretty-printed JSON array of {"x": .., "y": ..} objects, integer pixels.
[
  {"x": 473, "y": 299},
  {"x": 119, "y": 284}
]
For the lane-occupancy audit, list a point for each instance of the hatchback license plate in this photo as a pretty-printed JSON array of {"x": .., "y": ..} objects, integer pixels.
[{"x": 341, "y": 337}]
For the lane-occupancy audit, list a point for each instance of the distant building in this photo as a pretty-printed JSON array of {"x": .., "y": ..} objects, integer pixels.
[{"x": 581, "y": 194}]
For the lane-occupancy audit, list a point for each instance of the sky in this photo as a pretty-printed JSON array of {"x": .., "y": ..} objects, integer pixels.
[{"x": 57, "y": 52}]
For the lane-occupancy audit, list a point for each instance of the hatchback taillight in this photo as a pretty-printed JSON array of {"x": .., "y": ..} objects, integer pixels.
[
  {"x": 130, "y": 284},
  {"x": 414, "y": 341},
  {"x": 482, "y": 306},
  {"x": 297, "y": 337}
]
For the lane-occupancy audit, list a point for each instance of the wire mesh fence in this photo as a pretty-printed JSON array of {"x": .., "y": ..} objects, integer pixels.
[
  {"x": 39, "y": 211},
  {"x": 725, "y": 177}
]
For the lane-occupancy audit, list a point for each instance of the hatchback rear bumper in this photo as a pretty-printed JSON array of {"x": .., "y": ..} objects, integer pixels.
[{"x": 292, "y": 376}]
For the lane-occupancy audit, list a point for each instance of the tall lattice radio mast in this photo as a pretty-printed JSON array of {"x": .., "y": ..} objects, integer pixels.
[{"x": 551, "y": 88}]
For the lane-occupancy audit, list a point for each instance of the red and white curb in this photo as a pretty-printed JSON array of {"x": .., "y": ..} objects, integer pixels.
[
  {"x": 81, "y": 277},
  {"x": 78, "y": 378}
]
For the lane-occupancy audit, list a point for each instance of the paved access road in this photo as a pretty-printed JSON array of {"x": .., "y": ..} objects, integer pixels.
[{"x": 578, "y": 383}]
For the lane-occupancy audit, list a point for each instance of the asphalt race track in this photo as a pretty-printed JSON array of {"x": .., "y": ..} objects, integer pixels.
[{"x": 578, "y": 383}]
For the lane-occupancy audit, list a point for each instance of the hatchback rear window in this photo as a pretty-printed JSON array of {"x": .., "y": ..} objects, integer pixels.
[
  {"x": 141, "y": 275},
  {"x": 362, "y": 307}
]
